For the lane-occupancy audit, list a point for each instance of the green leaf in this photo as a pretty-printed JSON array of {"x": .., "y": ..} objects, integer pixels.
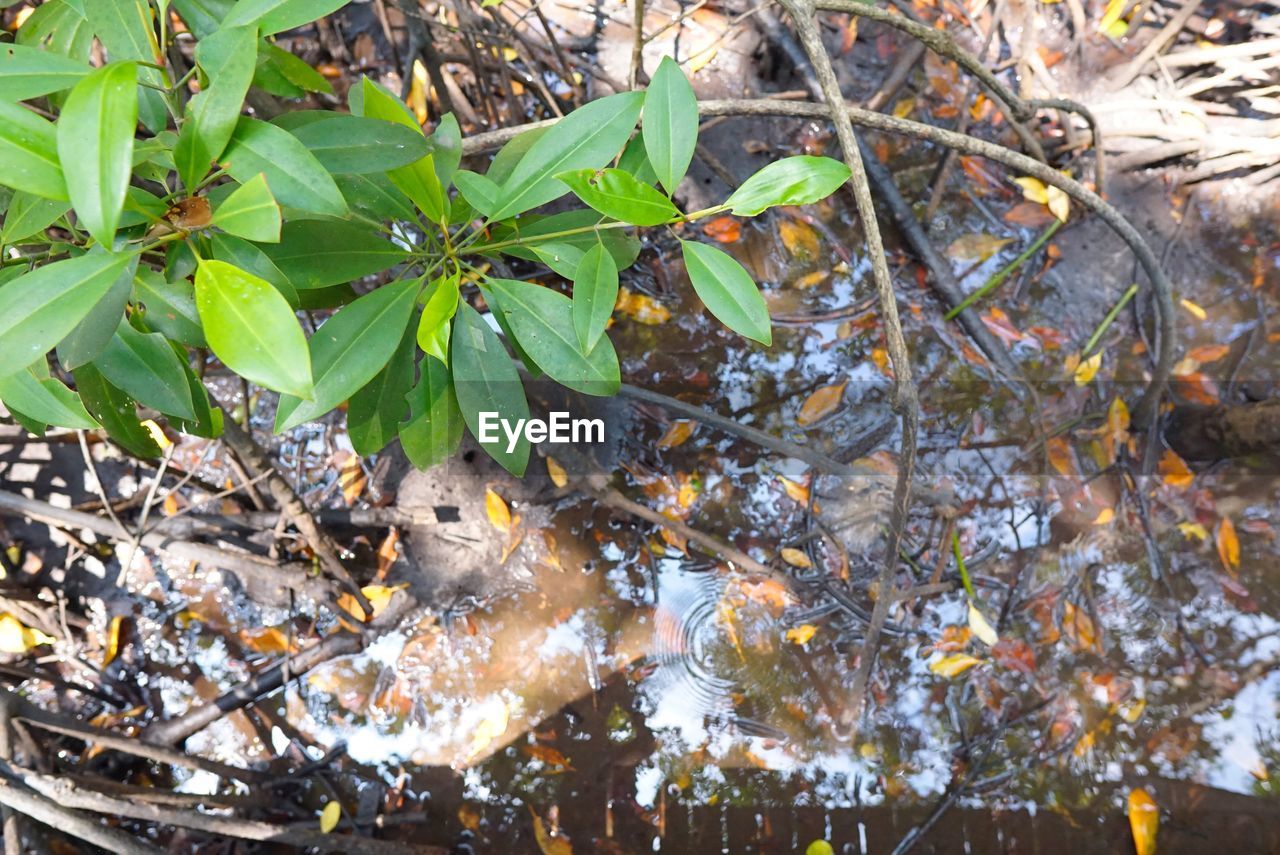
[
  {"x": 616, "y": 194},
  {"x": 95, "y": 145},
  {"x": 276, "y": 16},
  {"x": 126, "y": 28},
  {"x": 250, "y": 212},
  {"x": 250, "y": 327},
  {"x": 297, "y": 179},
  {"x": 29, "y": 153},
  {"x": 288, "y": 71},
  {"x": 115, "y": 411},
  {"x": 227, "y": 58},
  {"x": 28, "y": 72},
  {"x": 39, "y": 309},
  {"x": 92, "y": 335},
  {"x": 203, "y": 17},
  {"x": 144, "y": 366},
  {"x": 354, "y": 144},
  {"x": 251, "y": 259},
  {"x": 318, "y": 253},
  {"x": 727, "y": 290},
  {"x": 485, "y": 380},
  {"x": 799, "y": 180},
  {"x": 29, "y": 215},
  {"x": 542, "y": 321},
  {"x": 350, "y": 348},
  {"x": 376, "y": 410},
  {"x": 446, "y": 148},
  {"x": 481, "y": 193},
  {"x": 510, "y": 155},
  {"x": 418, "y": 180},
  {"x": 438, "y": 309},
  {"x": 635, "y": 160},
  {"x": 587, "y": 138},
  {"x": 623, "y": 247},
  {"x": 170, "y": 307},
  {"x": 670, "y": 128},
  {"x": 375, "y": 196},
  {"x": 595, "y": 291},
  {"x": 434, "y": 428},
  {"x": 208, "y": 419},
  {"x": 45, "y": 400}
]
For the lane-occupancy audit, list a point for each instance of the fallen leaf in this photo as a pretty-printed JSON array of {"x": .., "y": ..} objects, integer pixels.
[
  {"x": 190, "y": 213},
  {"x": 796, "y": 558},
  {"x": 113, "y": 640},
  {"x": 549, "y": 843},
  {"x": 1112, "y": 24},
  {"x": 795, "y": 490},
  {"x": 1079, "y": 628},
  {"x": 388, "y": 552},
  {"x": 548, "y": 755},
  {"x": 1059, "y": 451},
  {"x": 822, "y": 402},
  {"x": 1033, "y": 189},
  {"x": 641, "y": 308},
  {"x": 496, "y": 508},
  {"x": 330, "y": 816},
  {"x": 1144, "y": 821},
  {"x": 1209, "y": 352},
  {"x": 976, "y": 247},
  {"x": 490, "y": 728},
  {"x": 267, "y": 639},
  {"x": 1194, "y": 308},
  {"x": 556, "y": 472},
  {"x": 769, "y": 592},
  {"x": 953, "y": 665},
  {"x": 1030, "y": 215},
  {"x": 379, "y": 597},
  {"x": 820, "y": 847},
  {"x": 1190, "y": 530},
  {"x": 1228, "y": 544},
  {"x": 1104, "y": 516},
  {"x": 981, "y": 629},
  {"x": 677, "y": 433},
  {"x": 799, "y": 238},
  {"x": 1059, "y": 203},
  {"x": 1174, "y": 470},
  {"x": 16, "y": 637},
  {"x": 352, "y": 478},
  {"x": 809, "y": 280},
  {"x": 723, "y": 229},
  {"x": 1087, "y": 369},
  {"x": 1014, "y": 654},
  {"x": 801, "y": 634}
]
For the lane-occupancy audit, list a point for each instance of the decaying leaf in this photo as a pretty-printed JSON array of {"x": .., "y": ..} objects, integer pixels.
[
  {"x": 821, "y": 403},
  {"x": 796, "y": 557},
  {"x": 550, "y": 843},
  {"x": 1112, "y": 24},
  {"x": 556, "y": 472},
  {"x": 1079, "y": 628},
  {"x": 797, "y": 491},
  {"x": 113, "y": 640},
  {"x": 379, "y": 597},
  {"x": 677, "y": 433},
  {"x": 953, "y": 665},
  {"x": 352, "y": 478},
  {"x": 1193, "y": 529},
  {"x": 1228, "y": 544},
  {"x": 16, "y": 637},
  {"x": 641, "y": 308},
  {"x": 976, "y": 247},
  {"x": 496, "y": 508},
  {"x": 799, "y": 238},
  {"x": 1144, "y": 821},
  {"x": 723, "y": 229},
  {"x": 490, "y": 728},
  {"x": 548, "y": 755}
]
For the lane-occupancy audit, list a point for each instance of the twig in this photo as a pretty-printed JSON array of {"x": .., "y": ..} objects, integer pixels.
[
  {"x": 146, "y": 512},
  {"x": 56, "y": 816},
  {"x": 637, "y": 44},
  {"x": 1157, "y": 44}
]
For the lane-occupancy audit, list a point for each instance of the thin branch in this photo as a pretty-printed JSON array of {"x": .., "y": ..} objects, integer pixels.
[{"x": 86, "y": 828}]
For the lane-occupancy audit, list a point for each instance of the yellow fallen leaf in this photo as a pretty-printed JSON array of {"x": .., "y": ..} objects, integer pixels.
[
  {"x": 1104, "y": 516},
  {"x": 16, "y": 637},
  {"x": 1088, "y": 369},
  {"x": 976, "y": 247},
  {"x": 157, "y": 433},
  {"x": 418, "y": 85},
  {"x": 329, "y": 817},
  {"x": 549, "y": 843},
  {"x": 490, "y": 728},
  {"x": 379, "y": 596},
  {"x": 1033, "y": 189},
  {"x": 1190, "y": 530},
  {"x": 1059, "y": 204},
  {"x": 1228, "y": 544},
  {"x": 796, "y": 557},
  {"x": 795, "y": 490},
  {"x": 1132, "y": 710},
  {"x": 801, "y": 634},
  {"x": 1111, "y": 23},
  {"x": 1079, "y": 628},
  {"x": 819, "y": 847},
  {"x": 953, "y": 665},
  {"x": 677, "y": 433},
  {"x": 113, "y": 640},
  {"x": 1194, "y": 308},
  {"x": 703, "y": 59},
  {"x": 558, "y": 476},
  {"x": 799, "y": 238},
  {"x": 1144, "y": 821},
  {"x": 352, "y": 479},
  {"x": 822, "y": 402},
  {"x": 496, "y": 508},
  {"x": 641, "y": 308},
  {"x": 981, "y": 629}
]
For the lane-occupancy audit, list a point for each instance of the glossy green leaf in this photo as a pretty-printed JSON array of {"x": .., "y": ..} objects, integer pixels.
[
  {"x": 276, "y": 16},
  {"x": 446, "y": 148},
  {"x": 250, "y": 212},
  {"x": 59, "y": 28},
  {"x": 252, "y": 329},
  {"x": 485, "y": 380},
  {"x": 376, "y": 197},
  {"x": 587, "y": 138},
  {"x": 800, "y": 180},
  {"x": 29, "y": 72},
  {"x": 115, "y": 411},
  {"x": 29, "y": 153},
  {"x": 560, "y": 256},
  {"x": 251, "y": 259},
  {"x": 95, "y": 146},
  {"x": 227, "y": 58},
  {"x": 479, "y": 191},
  {"x": 355, "y": 144},
  {"x": 616, "y": 194},
  {"x": 29, "y": 215},
  {"x": 595, "y": 291},
  {"x": 288, "y": 70},
  {"x": 542, "y": 321},
  {"x": 727, "y": 290},
  {"x": 45, "y": 400},
  {"x": 145, "y": 367},
  {"x": 670, "y": 128},
  {"x": 439, "y": 306},
  {"x": 126, "y": 28},
  {"x": 296, "y": 178},
  {"x": 434, "y": 429},
  {"x": 208, "y": 418},
  {"x": 170, "y": 307},
  {"x": 418, "y": 180},
  {"x": 203, "y": 17},
  {"x": 37, "y": 310},
  {"x": 635, "y": 160},
  {"x": 376, "y": 410},
  {"x": 350, "y": 348},
  {"x": 92, "y": 335},
  {"x": 318, "y": 253},
  {"x": 510, "y": 155}
]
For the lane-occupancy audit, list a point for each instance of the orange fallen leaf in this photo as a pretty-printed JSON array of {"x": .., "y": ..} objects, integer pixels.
[
  {"x": 769, "y": 592},
  {"x": 352, "y": 479},
  {"x": 799, "y": 238},
  {"x": 1029, "y": 215},
  {"x": 267, "y": 639},
  {"x": 1104, "y": 516},
  {"x": 809, "y": 280},
  {"x": 1079, "y": 628},
  {"x": 1174, "y": 470},
  {"x": 497, "y": 510},
  {"x": 1228, "y": 544},
  {"x": 1144, "y": 821},
  {"x": 556, "y": 472},
  {"x": 551, "y": 843},
  {"x": 801, "y": 634},
  {"x": 1060, "y": 458},
  {"x": 822, "y": 402},
  {"x": 677, "y": 433},
  {"x": 1209, "y": 352},
  {"x": 641, "y": 308},
  {"x": 796, "y": 557},
  {"x": 723, "y": 229},
  {"x": 795, "y": 490},
  {"x": 548, "y": 755}
]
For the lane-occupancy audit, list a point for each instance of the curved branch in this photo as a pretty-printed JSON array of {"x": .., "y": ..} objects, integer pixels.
[{"x": 1070, "y": 106}]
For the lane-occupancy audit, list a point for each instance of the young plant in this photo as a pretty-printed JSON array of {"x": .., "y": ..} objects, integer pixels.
[{"x": 144, "y": 227}]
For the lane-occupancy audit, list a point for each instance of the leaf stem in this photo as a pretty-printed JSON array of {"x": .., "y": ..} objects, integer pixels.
[
  {"x": 1004, "y": 272},
  {"x": 964, "y": 572},
  {"x": 1109, "y": 319}
]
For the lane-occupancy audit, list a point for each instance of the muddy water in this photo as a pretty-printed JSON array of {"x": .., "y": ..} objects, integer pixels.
[{"x": 638, "y": 695}]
